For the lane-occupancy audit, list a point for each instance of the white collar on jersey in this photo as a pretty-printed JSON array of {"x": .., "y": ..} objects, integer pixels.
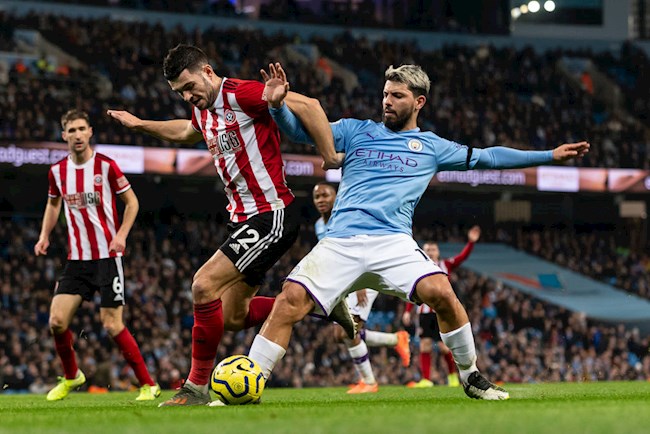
[{"x": 82, "y": 164}]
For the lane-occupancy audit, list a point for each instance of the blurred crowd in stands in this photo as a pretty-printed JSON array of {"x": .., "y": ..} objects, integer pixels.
[
  {"x": 462, "y": 16},
  {"x": 483, "y": 96},
  {"x": 520, "y": 339}
]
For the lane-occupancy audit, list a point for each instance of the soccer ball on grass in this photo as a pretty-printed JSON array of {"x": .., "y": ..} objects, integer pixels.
[{"x": 238, "y": 380}]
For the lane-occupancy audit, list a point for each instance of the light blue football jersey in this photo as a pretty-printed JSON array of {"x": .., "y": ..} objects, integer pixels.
[
  {"x": 320, "y": 227},
  {"x": 385, "y": 174}
]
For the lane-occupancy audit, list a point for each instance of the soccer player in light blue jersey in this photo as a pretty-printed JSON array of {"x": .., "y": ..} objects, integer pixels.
[
  {"x": 386, "y": 168},
  {"x": 360, "y": 304}
]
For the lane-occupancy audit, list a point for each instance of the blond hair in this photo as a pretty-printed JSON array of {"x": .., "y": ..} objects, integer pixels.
[{"x": 413, "y": 76}]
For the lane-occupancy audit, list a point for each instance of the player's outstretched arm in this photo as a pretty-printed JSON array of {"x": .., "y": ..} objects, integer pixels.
[
  {"x": 132, "y": 206},
  {"x": 51, "y": 214},
  {"x": 175, "y": 130},
  {"x": 310, "y": 114},
  {"x": 500, "y": 157}
]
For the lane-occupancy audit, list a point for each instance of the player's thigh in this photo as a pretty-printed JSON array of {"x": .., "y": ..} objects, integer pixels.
[
  {"x": 214, "y": 278},
  {"x": 255, "y": 245},
  {"x": 329, "y": 272},
  {"x": 361, "y": 311},
  {"x": 71, "y": 289},
  {"x": 291, "y": 305},
  {"x": 399, "y": 264},
  {"x": 108, "y": 279},
  {"x": 433, "y": 289},
  {"x": 62, "y": 309}
]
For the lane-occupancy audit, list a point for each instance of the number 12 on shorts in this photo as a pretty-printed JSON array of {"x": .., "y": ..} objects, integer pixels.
[{"x": 251, "y": 236}]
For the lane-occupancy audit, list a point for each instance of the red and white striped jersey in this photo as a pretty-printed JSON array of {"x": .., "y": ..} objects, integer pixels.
[
  {"x": 245, "y": 144},
  {"x": 447, "y": 265},
  {"x": 89, "y": 191}
]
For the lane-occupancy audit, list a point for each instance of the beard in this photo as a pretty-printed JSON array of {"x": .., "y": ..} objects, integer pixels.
[{"x": 396, "y": 123}]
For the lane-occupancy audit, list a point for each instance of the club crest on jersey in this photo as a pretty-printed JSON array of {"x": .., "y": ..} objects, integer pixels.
[
  {"x": 97, "y": 180},
  {"x": 230, "y": 117},
  {"x": 415, "y": 145}
]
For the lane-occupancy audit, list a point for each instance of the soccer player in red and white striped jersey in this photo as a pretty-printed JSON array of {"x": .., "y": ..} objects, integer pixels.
[
  {"x": 232, "y": 116},
  {"x": 88, "y": 184},
  {"x": 429, "y": 322}
]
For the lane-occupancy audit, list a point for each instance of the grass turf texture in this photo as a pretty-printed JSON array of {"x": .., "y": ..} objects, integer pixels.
[{"x": 616, "y": 407}]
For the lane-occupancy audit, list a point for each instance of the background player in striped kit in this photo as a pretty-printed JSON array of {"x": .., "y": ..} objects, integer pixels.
[
  {"x": 360, "y": 304},
  {"x": 429, "y": 330},
  {"x": 244, "y": 141},
  {"x": 88, "y": 183}
]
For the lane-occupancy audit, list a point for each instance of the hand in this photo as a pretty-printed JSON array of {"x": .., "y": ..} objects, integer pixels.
[
  {"x": 276, "y": 85},
  {"x": 125, "y": 118},
  {"x": 118, "y": 244},
  {"x": 335, "y": 163},
  {"x": 406, "y": 318},
  {"x": 570, "y": 150},
  {"x": 474, "y": 234},
  {"x": 41, "y": 246},
  {"x": 362, "y": 297}
]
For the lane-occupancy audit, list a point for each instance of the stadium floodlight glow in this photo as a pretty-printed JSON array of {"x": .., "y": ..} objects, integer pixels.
[
  {"x": 534, "y": 6},
  {"x": 515, "y": 13},
  {"x": 523, "y": 9},
  {"x": 549, "y": 6}
]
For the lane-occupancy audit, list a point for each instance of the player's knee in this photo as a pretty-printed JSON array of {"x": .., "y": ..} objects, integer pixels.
[
  {"x": 440, "y": 297},
  {"x": 426, "y": 345},
  {"x": 293, "y": 303},
  {"x": 202, "y": 290},
  {"x": 112, "y": 326},
  {"x": 57, "y": 324}
]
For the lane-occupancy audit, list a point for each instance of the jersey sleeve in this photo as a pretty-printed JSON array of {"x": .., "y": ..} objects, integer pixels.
[
  {"x": 454, "y": 262},
  {"x": 454, "y": 156},
  {"x": 119, "y": 183},
  {"x": 249, "y": 98},
  {"x": 343, "y": 131},
  {"x": 53, "y": 190},
  {"x": 195, "y": 122}
]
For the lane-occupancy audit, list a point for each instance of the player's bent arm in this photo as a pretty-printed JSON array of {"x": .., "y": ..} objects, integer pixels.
[
  {"x": 132, "y": 206},
  {"x": 175, "y": 130},
  {"x": 500, "y": 157},
  {"x": 314, "y": 120}
]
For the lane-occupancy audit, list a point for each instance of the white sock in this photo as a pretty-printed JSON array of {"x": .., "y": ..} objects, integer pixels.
[
  {"x": 266, "y": 353},
  {"x": 380, "y": 339},
  {"x": 461, "y": 344},
  {"x": 361, "y": 359}
]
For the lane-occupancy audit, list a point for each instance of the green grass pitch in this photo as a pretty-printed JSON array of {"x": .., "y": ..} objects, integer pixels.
[{"x": 608, "y": 408}]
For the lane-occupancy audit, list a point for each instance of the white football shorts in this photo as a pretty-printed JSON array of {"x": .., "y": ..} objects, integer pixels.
[
  {"x": 390, "y": 264},
  {"x": 361, "y": 311}
]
